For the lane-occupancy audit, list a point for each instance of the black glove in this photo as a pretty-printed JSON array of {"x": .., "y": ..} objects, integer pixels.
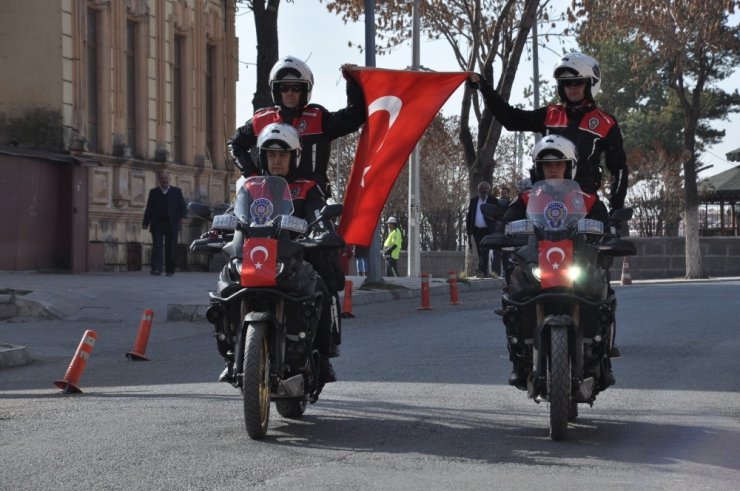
[
  {"x": 211, "y": 234},
  {"x": 475, "y": 85}
]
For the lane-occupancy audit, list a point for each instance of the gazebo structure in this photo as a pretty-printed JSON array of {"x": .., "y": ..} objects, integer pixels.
[{"x": 720, "y": 195}]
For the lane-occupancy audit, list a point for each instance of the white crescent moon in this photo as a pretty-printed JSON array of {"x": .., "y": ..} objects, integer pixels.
[
  {"x": 260, "y": 249},
  {"x": 555, "y": 249},
  {"x": 389, "y": 103}
]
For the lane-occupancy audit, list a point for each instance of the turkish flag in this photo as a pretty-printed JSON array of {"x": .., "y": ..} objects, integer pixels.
[
  {"x": 555, "y": 259},
  {"x": 259, "y": 262},
  {"x": 400, "y": 106}
]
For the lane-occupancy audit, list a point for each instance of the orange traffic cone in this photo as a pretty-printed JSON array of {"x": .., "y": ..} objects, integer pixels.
[
  {"x": 142, "y": 338},
  {"x": 347, "y": 307},
  {"x": 425, "y": 302},
  {"x": 77, "y": 365},
  {"x": 454, "y": 296},
  {"x": 626, "y": 277}
]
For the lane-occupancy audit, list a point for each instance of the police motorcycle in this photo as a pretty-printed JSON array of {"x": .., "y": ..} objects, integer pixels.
[
  {"x": 266, "y": 308},
  {"x": 558, "y": 309}
]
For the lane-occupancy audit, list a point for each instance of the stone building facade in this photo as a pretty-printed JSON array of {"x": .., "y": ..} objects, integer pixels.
[{"x": 126, "y": 87}]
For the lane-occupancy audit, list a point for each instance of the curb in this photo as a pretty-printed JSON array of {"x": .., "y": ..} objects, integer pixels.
[{"x": 13, "y": 356}]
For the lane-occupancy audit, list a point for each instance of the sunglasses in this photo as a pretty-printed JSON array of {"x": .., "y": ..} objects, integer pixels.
[
  {"x": 579, "y": 82},
  {"x": 291, "y": 88}
]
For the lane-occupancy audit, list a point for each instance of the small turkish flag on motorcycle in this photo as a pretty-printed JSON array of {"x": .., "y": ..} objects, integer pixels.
[
  {"x": 555, "y": 259},
  {"x": 259, "y": 262}
]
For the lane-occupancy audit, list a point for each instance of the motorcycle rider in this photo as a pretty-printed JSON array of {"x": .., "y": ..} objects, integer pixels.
[
  {"x": 554, "y": 157},
  {"x": 593, "y": 131},
  {"x": 291, "y": 83},
  {"x": 279, "y": 150}
]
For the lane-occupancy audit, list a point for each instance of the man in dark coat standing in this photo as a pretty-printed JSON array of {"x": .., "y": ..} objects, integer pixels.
[
  {"x": 478, "y": 226},
  {"x": 165, "y": 210}
]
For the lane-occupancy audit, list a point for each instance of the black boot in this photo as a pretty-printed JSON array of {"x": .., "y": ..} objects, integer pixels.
[
  {"x": 326, "y": 371},
  {"x": 227, "y": 375},
  {"x": 518, "y": 378}
]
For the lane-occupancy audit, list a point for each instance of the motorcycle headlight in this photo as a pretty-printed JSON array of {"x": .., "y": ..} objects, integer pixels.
[
  {"x": 575, "y": 273},
  {"x": 537, "y": 273}
]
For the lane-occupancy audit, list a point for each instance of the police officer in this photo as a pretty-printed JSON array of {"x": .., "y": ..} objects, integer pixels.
[
  {"x": 593, "y": 131},
  {"x": 291, "y": 83},
  {"x": 279, "y": 148}
]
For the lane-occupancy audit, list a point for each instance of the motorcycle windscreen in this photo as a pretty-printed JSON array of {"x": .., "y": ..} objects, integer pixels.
[
  {"x": 259, "y": 262},
  {"x": 555, "y": 261}
]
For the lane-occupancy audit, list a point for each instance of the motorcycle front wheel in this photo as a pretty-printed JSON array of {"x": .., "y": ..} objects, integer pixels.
[
  {"x": 559, "y": 383},
  {"x": 255, "y": 382}
]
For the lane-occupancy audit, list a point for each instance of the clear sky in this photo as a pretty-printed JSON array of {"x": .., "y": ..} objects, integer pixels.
[{"x": 311, "y": 33}]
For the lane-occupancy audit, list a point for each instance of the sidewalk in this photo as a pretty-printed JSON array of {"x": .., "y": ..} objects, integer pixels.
[{"x": 123, "y": 296}]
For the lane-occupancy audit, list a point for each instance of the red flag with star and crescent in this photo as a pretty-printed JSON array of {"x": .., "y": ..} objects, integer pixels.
[
  {"x": 259, "y": 262},
  {"x": 400, "y": 106}
]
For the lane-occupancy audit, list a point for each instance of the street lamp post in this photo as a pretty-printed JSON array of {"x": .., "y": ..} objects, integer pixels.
[{"x": 414, "y": 256}]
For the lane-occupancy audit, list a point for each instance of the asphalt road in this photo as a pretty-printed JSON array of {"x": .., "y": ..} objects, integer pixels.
[{"x": 422, "y": 403}]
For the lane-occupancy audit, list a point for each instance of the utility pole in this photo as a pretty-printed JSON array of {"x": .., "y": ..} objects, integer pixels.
[
  {"x": 374, "y": 274},
  {"x": 414, "y": 256},
  {"x": 536, "y": 72}
]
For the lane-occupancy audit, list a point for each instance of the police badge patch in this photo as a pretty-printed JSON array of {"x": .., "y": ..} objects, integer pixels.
[
  {"x": 302, "y": 126},
  {"x": 593, "y": 123},
  {"x": 261, "y": 211},
  {"x": 555, "y": 213}
]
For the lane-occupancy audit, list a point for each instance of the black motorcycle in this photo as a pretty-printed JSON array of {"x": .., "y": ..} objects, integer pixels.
[
  {"x": 267, "y": 306},
  {"x": 558, "y": 309}
]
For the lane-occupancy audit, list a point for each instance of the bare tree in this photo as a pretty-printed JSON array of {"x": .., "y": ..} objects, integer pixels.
[{"x": 265, "y": 25}]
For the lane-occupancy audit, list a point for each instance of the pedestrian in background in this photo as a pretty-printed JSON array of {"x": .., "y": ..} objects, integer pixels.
[
  {"x": 477, "y": 226},
  {"x": 361, "y": 260},
  {"x": 500, "y": 259},
  {"x": 392, "y": 247},
  {"x": 163, "y": 215}
]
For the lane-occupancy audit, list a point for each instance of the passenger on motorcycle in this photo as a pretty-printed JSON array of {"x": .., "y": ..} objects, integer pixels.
[
  {"x": 554, "y": 157},
  {"x": 291, "y": 83},
  {"x": 593, "y": 131}
]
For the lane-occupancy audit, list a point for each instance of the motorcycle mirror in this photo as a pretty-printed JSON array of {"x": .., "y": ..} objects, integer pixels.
[{"x": 199, "y": 210}]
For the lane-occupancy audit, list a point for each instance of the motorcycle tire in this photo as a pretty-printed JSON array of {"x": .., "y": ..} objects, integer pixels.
[
  {"x": 559, "y": 383},
  {"x": 255, "y": 383},
  {"x": 291, "y": 408}
]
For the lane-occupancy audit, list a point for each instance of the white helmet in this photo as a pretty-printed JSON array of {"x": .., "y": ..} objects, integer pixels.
[
  {"x": 290, "y": 69},
  {"x": 279, "y": 136},
  {"x": 578, "y": 65},
  {"x": 392, "y": 220},
  {"x": 555, "y": 147}
]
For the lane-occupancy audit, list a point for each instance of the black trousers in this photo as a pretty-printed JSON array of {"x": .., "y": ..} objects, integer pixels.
[
  {"x": 478, "y": 234},
  {"x": 164, "y": 244}
]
